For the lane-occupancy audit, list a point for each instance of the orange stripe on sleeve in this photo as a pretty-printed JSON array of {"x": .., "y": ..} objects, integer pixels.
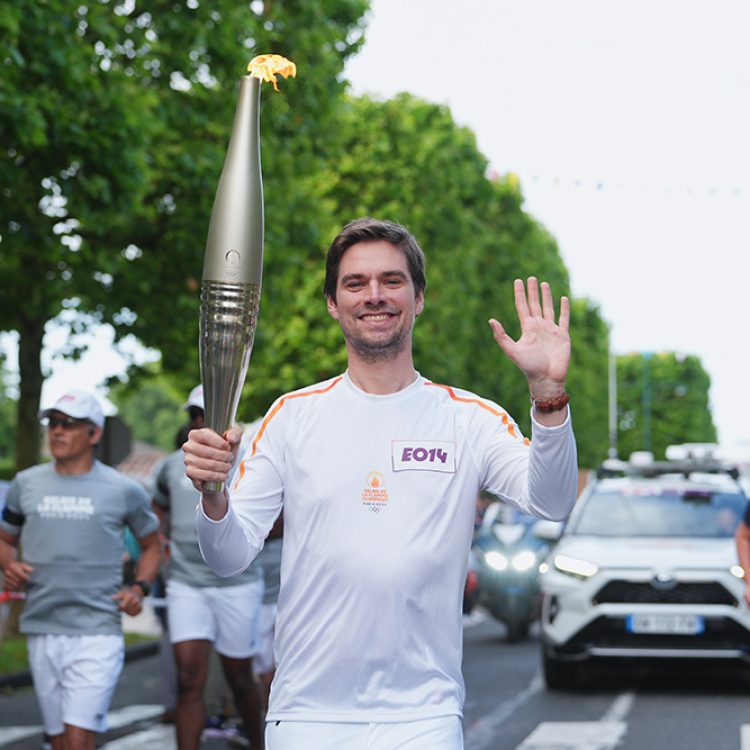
[
  {"x": 276, "y": 409},
  {"x": 503, "y": 415}
]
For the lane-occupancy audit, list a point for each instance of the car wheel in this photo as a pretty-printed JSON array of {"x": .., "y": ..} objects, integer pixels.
[{"x": 559, "y": 675}]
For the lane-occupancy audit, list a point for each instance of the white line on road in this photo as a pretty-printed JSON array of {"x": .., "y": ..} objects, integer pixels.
[
  {"x": 483, "y": 732},
  {"x": 604, "y": 734},
  {"x": 158, "y": 737},
  {"x": 130, "y": 714},
  {"x": 13, "y": 734},
  {"x": 575, "y": 735},
  {"x": 620, "y": 707},
  {"x": 115, "y": 719},
  {"x": 745, "y": 737}
]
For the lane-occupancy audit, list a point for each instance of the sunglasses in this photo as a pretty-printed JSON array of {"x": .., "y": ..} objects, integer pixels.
[{"x": 67, "y": 423}]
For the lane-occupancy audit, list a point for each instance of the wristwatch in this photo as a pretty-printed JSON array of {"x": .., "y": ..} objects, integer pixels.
[{"x": 144, "y": 586}]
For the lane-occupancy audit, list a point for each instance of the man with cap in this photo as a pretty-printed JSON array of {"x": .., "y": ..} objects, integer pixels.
[
  {"x": 70, "y": 516},
  {"x": 204, "y": 609}
]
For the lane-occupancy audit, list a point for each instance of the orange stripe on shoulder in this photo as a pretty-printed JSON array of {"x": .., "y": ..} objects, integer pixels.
[
  {"x": 271, "y": 414},
  {"x": 498, "y": 413}
]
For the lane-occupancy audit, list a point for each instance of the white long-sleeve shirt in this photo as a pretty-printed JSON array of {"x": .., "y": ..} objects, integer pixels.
[{"x": 379, "y": 497}]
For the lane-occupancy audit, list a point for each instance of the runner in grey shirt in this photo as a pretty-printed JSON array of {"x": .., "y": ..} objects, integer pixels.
[
  {"x": 70, "y": 516},
  {"x": 204, "y": 609},
  {"x": 72, "y": 530}
]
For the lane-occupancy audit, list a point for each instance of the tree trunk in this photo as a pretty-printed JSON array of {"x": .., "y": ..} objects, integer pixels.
[{"x": 28, "y": 433}]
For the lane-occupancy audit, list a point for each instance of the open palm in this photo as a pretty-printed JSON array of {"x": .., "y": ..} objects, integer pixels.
[{"x": 542, "y": 351}]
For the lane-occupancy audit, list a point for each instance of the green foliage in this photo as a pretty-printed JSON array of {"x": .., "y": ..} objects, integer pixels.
[
  {"x": 662, "y": 399},
  {"x": 13, "y": 655},
  {"x": 153, "y": 409},
  {"x": 588, "y": 382},
  {"x": 115, "y": 120}
]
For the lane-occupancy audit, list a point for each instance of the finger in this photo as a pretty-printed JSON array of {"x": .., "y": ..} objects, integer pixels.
[
  {"x": 207, "y": 471},
  {"x": 533, "y": 289},
  {"x": 548, "y": 304},
  {"x": 564, "y": 313},
  {"x": 194, "y": 451},
  {"x": 504, "y": 341},
  {"x": 522, "y": 307},
  {"x": 207, "y": 436},
  {"x": 233, "y": 436}
]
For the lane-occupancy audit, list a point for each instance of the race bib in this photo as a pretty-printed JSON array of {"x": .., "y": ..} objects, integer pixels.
[{"x": 423, "y": 455}]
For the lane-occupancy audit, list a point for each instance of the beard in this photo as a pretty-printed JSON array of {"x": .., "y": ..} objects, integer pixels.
[{"x": 373, "y": 350}]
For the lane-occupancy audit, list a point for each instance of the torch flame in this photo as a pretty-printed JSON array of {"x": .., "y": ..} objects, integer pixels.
[{"x": 266, "y": 67}]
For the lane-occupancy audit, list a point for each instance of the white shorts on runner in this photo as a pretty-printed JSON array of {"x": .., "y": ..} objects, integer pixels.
[
  {"x": 442, "y": 733},
  {"x": 74, "y": 678},
  {"x": 264, "y": 660},
  {"x": 225, "y": 615}
]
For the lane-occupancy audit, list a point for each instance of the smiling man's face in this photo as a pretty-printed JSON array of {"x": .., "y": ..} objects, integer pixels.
[{"x": 375, "y": 301}]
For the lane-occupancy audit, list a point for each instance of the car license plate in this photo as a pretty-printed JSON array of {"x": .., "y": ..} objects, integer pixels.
[{"x": 672, "y": 624}]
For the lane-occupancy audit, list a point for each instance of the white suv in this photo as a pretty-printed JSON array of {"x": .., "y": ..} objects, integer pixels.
[{"x": 646, "y": 568}]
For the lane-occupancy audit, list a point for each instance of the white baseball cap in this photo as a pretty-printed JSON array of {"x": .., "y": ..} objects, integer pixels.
[
  {"x": 196, "y": 398},
  {"x": 79, "y": 405}
]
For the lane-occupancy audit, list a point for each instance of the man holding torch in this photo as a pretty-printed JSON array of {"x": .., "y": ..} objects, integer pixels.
[{"x": 377, "y": 471}]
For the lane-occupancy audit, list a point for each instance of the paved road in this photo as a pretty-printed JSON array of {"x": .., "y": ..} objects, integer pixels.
[{"x": 507, "y": 707}]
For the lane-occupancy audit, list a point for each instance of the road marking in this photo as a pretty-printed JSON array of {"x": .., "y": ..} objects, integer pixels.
[
  {"x": 130, "y": 714},
  {"x": 158, "y": 737},
  {"x": 117, "y": 719},
  {"x": 620, "y": 707},
  {"x": 13, "y": 734},
  {"x": 745, "y": 737},
  {"x": 575, "y": 735},
  {"x": 604, "y": 734},
  {"x": 483, "y": 732}
]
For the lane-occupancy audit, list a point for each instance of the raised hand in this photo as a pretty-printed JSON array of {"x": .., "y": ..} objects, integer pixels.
[{"x": 543, "y": 350}]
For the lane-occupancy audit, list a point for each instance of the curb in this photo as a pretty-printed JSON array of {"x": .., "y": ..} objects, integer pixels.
[{"x": 136, "y": 651}]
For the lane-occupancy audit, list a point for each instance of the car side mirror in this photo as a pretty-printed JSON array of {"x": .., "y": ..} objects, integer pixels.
[{"x": 549, "y": 531}]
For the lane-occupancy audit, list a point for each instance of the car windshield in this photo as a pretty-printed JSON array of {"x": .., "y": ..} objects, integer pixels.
[{"x": 651, "y": 511}]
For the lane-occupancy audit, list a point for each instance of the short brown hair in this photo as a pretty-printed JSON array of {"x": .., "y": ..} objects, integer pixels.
[{"x": 368, "y": 229}]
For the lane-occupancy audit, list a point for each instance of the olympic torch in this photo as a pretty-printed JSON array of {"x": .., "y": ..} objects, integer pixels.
[{"x": 233, "y": 263}]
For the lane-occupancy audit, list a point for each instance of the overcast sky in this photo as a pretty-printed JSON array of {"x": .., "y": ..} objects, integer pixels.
[{"x": 628, "y": 124}]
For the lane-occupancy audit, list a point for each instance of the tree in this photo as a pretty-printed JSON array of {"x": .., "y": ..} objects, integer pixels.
[
  {"x": 115, "y": 121},
  {"x": 588, "y": 382},
  {"x": 152, "y": 409},
  {"x": 662, "y": 400}
]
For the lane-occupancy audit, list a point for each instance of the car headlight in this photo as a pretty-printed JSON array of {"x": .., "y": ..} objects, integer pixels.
[
  {"x": 496, "y": 560},
  {"x": 574, "y": 566},
  {"x": 523, "y": 561},
  {"x": 737, "y": 571}
]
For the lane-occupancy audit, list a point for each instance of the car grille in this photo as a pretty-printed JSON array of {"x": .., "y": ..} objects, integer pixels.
[
  {"x": 720, "y": 633},
  {"x": 629, "y": 592}
]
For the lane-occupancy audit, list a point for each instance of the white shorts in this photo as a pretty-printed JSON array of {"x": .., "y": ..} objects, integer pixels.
[
  {"x": 443, "y": 733},
  {"x": 74, "y": 678},
  {"x": 264, "y": 660},
  {"x": 225, "y": 615}
]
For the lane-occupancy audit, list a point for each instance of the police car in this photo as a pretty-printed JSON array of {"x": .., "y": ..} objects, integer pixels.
[{"x": 646, "y": 568}]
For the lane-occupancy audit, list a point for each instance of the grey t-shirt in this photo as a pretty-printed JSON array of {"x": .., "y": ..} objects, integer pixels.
[
  {"x": 72, "y": 532},
  {"x": 175, "y": 493},
  {"x": 269, "y": 558}
]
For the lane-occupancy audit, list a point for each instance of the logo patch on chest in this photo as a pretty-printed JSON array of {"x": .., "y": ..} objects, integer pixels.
[
  {"x": 375, "y": 495},
  {"x": 424, "y": 455}
]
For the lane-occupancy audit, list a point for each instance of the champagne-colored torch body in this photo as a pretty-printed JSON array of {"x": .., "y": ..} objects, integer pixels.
[{"x": 232, "y": 269}]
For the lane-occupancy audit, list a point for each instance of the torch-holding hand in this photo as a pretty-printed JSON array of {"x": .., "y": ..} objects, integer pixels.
[{"x": 209, "y": 457}]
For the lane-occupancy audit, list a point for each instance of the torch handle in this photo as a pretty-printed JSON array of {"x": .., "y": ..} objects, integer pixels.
[{"x": 228, "y": 318}]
